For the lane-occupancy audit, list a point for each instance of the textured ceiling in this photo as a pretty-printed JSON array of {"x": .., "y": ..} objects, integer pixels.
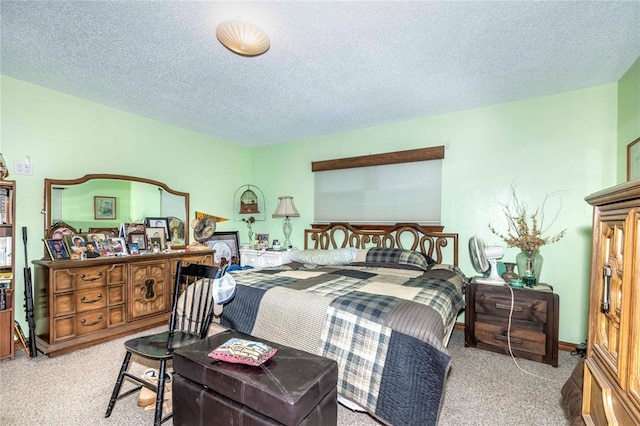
[{"x": 332, "y": 66}]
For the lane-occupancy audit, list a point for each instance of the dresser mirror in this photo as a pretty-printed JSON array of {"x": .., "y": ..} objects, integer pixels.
[{"x": 101, "y": 202}]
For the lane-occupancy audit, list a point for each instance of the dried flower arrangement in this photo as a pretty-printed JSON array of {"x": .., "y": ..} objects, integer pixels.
[{"x": 522, "y": 234}]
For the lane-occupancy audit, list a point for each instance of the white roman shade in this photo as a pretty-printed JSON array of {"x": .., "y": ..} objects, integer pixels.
[{"x": 384, "y": 194}]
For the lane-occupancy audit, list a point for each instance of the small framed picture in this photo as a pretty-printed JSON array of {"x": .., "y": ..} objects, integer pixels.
[
  {"x": 263, "y": 241},
  {"x": 176, "y": 231},
  {"x": 107, "y": 232},
  {"x": 57, "y": 249},
  {"x": 139, "y": 239},
  {"x": 226, "y": 246},
  {"x": 133, "y": 248},
  {"x": 76, "y": 245},
  {"x": 117, "y": 246},
  {"x": 157, "y": 237},
  {"x": 104, "y": 207},
  {"x": 60, "y": 229},
  {"x": 158, "y": 222},
  {"x": 633, "y": 160}
]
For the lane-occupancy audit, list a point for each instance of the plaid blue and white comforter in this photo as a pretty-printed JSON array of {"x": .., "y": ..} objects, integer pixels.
[{"x": 383, "y": 326}]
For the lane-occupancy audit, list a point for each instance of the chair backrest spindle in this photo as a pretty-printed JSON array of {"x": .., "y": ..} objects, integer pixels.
[{"x": 193, "y": 307}]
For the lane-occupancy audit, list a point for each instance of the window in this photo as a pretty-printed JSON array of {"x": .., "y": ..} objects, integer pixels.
[{"x": 404, "y": 186}]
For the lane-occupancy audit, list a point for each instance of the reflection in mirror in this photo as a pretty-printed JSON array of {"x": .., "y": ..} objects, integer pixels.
[{"x": 80, "y": 204}]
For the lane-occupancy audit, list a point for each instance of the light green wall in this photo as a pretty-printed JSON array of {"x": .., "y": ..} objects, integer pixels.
[
  {"x": 542, "y": 144},
  {"x": 628, "y": 115},
  {"x": 67, "y": 137},
  {"x": 546, "y": 144}
]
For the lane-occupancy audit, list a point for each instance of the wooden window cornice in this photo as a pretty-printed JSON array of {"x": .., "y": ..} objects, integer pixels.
[{"x": 409, "y": 156}]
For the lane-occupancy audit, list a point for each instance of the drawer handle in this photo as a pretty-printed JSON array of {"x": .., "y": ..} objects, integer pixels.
[
  {"x": 97, "y": 277},
  {"x": 84, "y": 322},
  {"x": 149, "y": 294},
  {"x": 606, "y": 288},
  {"x": 83, "y": 299},
  {"x": 514, "y": 340},
  {"x": 508, "y": 307}
]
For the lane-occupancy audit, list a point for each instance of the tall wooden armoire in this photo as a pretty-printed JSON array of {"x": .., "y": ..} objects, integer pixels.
[{"x": 611, "y": 394}]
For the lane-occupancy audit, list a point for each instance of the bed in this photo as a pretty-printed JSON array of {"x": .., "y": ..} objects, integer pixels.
[{"x": 381, "y": 302}]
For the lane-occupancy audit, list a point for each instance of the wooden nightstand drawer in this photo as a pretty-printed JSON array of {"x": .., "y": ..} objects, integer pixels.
[
  {"x": 523, "y": 339},
  {"x": 499, "y": 304}
]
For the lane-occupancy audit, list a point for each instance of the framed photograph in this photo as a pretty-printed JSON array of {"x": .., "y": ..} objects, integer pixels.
[
  {"x": 76, "y": 245},
  {"x": 226, "y": 246},
  {"x": 263, "y": 241},
  {"x": 96, "y": 237},
  {"x": 57, "y": 249},
  {"x": 139, "y": 239},
  {"x": 131, "y": 228},
  {"x": 633, "y": 160},
  {"x": 176, "y": 231},
  {"x": 107, "y": 232},
  {"x": 117, "y": 245},
  {"x": 156, "y": 237},
  {"x": 133, "y": 248},
  {"x": 104, "y": 207},
  {"x": 158, "y": 222},
  {"x": 59, "y": 230}
]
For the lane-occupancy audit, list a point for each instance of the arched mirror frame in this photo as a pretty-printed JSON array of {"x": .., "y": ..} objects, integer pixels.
[{"x": 50, "y": 183}]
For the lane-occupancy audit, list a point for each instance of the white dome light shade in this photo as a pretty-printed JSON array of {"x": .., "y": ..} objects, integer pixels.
[{"x": 243, "y": 38}]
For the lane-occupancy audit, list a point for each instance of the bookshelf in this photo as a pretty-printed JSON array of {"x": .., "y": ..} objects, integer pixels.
[{"x": 7, "y": 268}]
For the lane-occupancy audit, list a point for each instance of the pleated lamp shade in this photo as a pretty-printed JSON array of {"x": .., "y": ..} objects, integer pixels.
[{"x": 243, "y": 38}]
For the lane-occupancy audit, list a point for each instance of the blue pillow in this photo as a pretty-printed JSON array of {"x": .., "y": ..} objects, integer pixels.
[{"x": 395, "y": 257}]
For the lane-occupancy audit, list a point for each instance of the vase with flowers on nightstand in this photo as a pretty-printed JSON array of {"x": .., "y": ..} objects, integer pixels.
[
  {"x": 525, "y": 232},
  {"x": 529, "y": 267}
]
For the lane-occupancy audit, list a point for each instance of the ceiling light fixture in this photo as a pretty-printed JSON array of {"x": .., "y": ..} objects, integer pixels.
[{"x": 243, "y": 38}]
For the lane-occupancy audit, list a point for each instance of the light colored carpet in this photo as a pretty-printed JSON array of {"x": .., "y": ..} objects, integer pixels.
[{"x": 483, "y": 389}]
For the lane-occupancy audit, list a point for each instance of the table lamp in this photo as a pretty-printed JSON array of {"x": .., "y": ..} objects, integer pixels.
[{"x": 287, "y": 210}]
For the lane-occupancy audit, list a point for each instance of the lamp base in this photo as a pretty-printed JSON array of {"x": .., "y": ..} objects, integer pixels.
[{"x": 286, "y": 229}]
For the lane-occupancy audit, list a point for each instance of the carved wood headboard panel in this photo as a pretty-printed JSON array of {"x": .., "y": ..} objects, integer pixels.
[{"x": 440, "y": 246}]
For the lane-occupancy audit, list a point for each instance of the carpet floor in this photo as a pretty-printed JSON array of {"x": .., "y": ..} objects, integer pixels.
[{"x": 483, "y": 388}]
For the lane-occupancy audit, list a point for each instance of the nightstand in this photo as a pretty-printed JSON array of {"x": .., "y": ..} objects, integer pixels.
[
  {"x": 264, "y": 258},
  {"x": 534, "y": 322}
]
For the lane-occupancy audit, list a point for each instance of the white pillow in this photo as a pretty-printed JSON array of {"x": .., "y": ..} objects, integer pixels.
[{"x": 341, "y": 256}]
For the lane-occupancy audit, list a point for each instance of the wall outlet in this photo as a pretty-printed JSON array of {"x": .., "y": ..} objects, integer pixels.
[{"x": 23, "y": 168}]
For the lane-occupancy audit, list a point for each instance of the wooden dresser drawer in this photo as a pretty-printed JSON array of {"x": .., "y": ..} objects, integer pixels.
[
  {"x": 499, "y": 304},
  {"x": 91, "y": 321},
  {"x": 87, "y": 277},
  {"x": 203, "y": 258},
  {"x": 602, "y": 402},
  {"x": 90, "y": 299}
]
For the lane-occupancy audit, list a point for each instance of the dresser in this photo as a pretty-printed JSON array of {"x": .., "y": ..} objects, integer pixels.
[
  {"x": 264, "y": 258},
  {"x": 534, "y": 323},
  {"x": 611, "y": 390},
  {"x": 79, "y": 303}
]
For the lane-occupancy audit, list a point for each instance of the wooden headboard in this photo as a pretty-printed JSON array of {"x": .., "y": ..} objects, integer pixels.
[{"x": 440, "y": 246}]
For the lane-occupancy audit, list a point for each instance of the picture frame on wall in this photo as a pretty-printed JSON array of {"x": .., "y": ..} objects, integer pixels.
[
  {"x": 104, "y": 207},
  {"x": 57, "y": 249},
  {"x": 633, "y": 160},
  {"x": 226, "y": 246}
]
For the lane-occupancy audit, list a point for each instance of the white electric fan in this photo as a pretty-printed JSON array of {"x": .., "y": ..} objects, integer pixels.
[{"x": 483, "y": 258}]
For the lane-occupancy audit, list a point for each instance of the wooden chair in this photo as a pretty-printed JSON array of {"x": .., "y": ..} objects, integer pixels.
[{"x": 191, "y": 315}]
